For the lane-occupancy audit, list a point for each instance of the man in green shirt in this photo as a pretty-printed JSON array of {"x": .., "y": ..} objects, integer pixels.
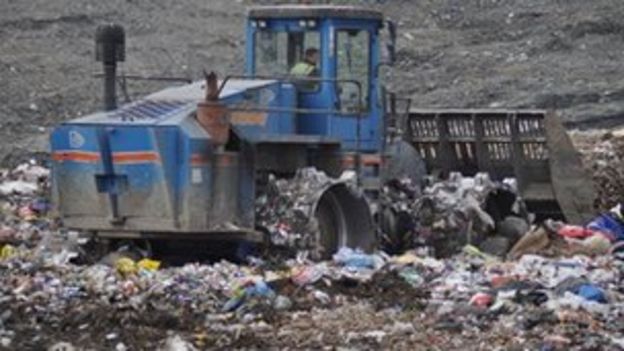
[{"x": 307, "y": 68}]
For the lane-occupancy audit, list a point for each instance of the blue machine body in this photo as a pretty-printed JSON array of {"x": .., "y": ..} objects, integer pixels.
[{"x": 150, "y": 167}]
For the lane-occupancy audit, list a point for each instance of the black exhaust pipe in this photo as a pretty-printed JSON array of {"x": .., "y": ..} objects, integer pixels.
[{"x": 110, "y": 48}]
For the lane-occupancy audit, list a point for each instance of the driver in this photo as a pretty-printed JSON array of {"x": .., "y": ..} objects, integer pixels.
[{"x": 307, "y": 67}]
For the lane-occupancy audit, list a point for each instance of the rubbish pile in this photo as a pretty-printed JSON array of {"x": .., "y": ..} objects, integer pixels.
[
  {"x": 603, "y": 153},
  {"x": 452, "y": 213},
  {"x": 23, "y": 201},
  {"x": 559, "y": 287},
  {"x": 367, "y": 300},
  {"x": 286, "y": 207},
  {"x": 607, "y": 161}
]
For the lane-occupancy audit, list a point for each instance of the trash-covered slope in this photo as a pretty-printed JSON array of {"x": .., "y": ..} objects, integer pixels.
[
  {"x": 603, "y": 152},
  {"x": 559, "y": 287}
]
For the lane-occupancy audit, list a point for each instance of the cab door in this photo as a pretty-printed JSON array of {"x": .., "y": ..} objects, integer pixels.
[{"x": 356, "y": 55}]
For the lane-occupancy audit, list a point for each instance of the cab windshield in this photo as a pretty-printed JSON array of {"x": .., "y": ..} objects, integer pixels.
[{"x": 277, "y": 53}]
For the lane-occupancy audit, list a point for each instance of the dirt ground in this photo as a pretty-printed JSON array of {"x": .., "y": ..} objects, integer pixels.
[{"x": 452, "y": 53}]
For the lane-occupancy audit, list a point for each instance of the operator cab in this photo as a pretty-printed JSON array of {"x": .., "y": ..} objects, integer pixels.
[{"x": 342, "y": 89}]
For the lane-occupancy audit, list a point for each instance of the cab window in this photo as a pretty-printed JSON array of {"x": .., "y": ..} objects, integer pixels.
[
  {"x": 353, "y": 53},
  {"x": 277, "y": 52}
]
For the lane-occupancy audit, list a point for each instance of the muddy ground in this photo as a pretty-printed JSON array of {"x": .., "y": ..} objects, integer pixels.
[{"x": 453, "y": 53}]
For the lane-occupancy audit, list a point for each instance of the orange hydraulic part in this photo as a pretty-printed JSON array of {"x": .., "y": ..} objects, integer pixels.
[{"x": 211, "y": 115}]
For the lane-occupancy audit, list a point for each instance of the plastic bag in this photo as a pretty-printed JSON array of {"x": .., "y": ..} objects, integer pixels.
[
  {"x": 150, "y": 265},
  {"x": 7, "y": 251},
  {"x": 126, "y": 266}
]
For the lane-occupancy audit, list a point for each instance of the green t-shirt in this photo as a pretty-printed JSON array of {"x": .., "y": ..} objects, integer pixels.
[{"x": 302, "y": 69}]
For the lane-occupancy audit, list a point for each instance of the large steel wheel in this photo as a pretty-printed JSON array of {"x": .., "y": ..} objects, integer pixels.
[
  {"x": 332, "y": 230},
  {"x": 343, "y": 218}
]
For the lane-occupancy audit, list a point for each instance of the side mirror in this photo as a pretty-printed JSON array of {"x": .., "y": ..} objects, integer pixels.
[{"x": 392, "y": 36}]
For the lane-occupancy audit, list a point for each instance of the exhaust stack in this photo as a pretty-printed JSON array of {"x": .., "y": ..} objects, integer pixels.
[{"x": 110, "y": 48}]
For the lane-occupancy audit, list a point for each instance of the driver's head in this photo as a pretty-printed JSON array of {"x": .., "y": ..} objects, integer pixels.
[{"x": 312, "y": 56}]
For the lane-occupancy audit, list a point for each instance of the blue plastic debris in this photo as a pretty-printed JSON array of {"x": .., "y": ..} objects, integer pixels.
[
  {"x": 608, "y": 223},
  {"x": 356, "y": 259},
  {"x": 248, "y": 289},
  {"x": 40, "y": 205},
  {"x": 591, "y": 293}
]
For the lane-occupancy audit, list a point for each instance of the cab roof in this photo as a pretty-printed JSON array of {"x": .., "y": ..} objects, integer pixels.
[{"x": 314, "y": 11}]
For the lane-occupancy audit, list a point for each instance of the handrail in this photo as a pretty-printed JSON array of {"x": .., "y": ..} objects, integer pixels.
[
  {"x": 258, "y": 108},
  {"x": 291, "y": 79},
  {"x": 359, "y": 114}
]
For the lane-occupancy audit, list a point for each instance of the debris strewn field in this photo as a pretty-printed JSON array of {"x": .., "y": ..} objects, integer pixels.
[
  {"x": 543, "y": 286},
  {"x": 558, "y": 292}
]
